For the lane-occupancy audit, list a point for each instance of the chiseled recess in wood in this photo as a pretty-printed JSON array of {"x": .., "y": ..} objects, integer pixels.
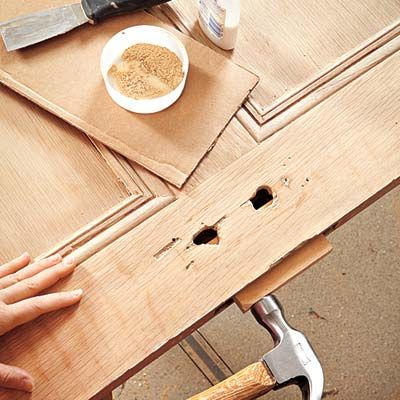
[
  {"x": 233, "y": 143},
  {"x": 286, "y": 37},
  {"x": 321, "y": 167},
  {"x": 52, "y": 179},
  {"x": 321, "y": 93},
  {"x": 287, "y": 269}
]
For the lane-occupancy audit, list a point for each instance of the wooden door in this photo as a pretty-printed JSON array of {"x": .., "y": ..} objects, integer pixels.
[{"x": 149, "y": 271}]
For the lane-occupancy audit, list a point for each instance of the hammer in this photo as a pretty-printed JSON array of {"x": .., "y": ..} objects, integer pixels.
[{"x": 291, "y": 361}]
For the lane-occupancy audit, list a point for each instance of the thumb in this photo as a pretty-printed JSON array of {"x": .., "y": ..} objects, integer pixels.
[{"x": 15, "y": 378}]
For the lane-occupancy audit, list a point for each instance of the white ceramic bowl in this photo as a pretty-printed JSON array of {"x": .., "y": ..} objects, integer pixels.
[{"x": 113, "y": 50}]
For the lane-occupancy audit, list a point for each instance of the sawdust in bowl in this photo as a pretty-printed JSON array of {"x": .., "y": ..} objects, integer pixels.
[{"x": 147, "y": 71}]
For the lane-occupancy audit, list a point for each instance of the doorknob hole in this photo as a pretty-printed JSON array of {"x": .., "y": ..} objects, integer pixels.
[
  {"x": 263, "y": 197},
  {"x": 207, "y": 235}
]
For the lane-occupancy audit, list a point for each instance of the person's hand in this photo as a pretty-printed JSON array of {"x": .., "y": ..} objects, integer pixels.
[{"x": 20, "y": 282}]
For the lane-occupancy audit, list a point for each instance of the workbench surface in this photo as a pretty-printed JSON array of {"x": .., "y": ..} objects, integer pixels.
[{"x": 319, "y": 132}]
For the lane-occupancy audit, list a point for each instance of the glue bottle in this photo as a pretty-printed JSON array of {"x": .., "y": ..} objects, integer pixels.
[{"x": 219, "y": 20}]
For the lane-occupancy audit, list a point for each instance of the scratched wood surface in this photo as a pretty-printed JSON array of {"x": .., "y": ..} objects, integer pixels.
[
  {"x": 293, "y": 43},
  {"x": 52, "y": 180},
  {"x": 145, "y": 289}
]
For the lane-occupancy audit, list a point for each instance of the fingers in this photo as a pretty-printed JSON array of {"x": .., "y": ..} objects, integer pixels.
[
  {"x": 31, "y": 286},
  {"x": 29, "y": 309},
  {"x": 15, "y": 265},
  {"x": 15, "y": 378},
  {"x": 29, "y": 271}
]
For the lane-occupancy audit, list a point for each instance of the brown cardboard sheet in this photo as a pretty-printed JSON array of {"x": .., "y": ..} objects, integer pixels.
[{"x": 63, "y": 76}]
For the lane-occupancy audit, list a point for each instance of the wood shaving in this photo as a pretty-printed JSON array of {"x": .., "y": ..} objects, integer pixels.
[{"x": 147, "y": 71}]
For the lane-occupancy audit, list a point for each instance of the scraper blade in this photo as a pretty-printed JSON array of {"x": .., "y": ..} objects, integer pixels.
[{"x": 34, "y": 28}]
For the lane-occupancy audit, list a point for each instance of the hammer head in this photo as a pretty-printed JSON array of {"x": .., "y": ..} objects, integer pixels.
[{"x": 292, "y": 360}]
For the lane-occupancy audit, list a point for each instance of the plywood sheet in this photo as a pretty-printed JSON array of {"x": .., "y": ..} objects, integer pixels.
[
  {"x": 139, "y": 299},
  {"x": 63, "y": 76},
  {"x": 52, "y": 179},
  {"x": 290, "y": 43}
]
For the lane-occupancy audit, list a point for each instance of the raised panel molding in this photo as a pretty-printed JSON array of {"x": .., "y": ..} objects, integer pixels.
[
  {"x": 58, "y": 186},
  {"x": 269, "y": 108}
]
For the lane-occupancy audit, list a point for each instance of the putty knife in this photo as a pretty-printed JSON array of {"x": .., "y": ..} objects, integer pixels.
[{"x": 30, "y": 29}]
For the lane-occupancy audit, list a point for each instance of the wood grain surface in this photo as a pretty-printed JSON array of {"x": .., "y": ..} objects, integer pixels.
[
  {"x": 293, "y": 44},
  {"x": 63, "y": 76},
  {"x": 339, "y": 77},
  {"x": 248, "y": 384},
  {"x": 52, "y": 181},
  {"x": 233, "y": 143},
  {"x": 147, "y": 289}
]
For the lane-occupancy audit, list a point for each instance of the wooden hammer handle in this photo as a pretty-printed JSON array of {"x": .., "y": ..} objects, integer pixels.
[{"x": 249, "y": 383}]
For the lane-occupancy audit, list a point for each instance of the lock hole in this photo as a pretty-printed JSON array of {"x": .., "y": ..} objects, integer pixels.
[
  {"x": 262, "y": 198},
  {"x": 208, "y": 235}
]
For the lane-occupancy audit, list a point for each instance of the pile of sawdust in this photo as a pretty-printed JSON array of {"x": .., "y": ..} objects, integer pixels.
[{"x": 147, "y": 71}]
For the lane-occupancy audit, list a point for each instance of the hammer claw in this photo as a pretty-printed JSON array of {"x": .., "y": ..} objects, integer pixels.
[{"x": 292, "y": 360}]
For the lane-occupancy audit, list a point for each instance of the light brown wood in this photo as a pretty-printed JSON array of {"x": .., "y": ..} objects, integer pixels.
[
  {"x": 151, "y": 184},
  {"x": 89, "y": 231},
  {"x": 145, "y": 290},
  {"x": 294, "y": 46},
  {"x": 233, "y": 143},
  {"x": 104, "y": 230},
  {"x": 287, "y": 269},
  {"x": 53, "y": 180},
  {"x": 169, "y": 143},
  {"x": 247, "y": 384},
  {"x": 116, "y": 163},
  {"x": 369, "y": 57}
]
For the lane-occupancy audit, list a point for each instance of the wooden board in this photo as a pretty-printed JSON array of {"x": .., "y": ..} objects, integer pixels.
[
  {"x": 292, "y": 45},
  {"x": 52, "y": 180},
  {"x": 63, "y": 76},
  {"x": 144, "y": 290}
]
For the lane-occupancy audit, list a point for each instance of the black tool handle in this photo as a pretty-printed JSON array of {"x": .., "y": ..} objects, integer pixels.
[{"x": 96, "y": 10}]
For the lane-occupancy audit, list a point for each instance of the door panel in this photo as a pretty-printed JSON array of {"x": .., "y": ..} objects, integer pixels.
[
  {"x": 148, "y": 288},
  {"x": 52, "y": 178}
]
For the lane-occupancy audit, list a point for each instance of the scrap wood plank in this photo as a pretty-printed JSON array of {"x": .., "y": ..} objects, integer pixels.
[
  {"x": 63, "y": 76},
  {"x": 147, "y": 289},
  {"x": 287, "y": 269}
]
